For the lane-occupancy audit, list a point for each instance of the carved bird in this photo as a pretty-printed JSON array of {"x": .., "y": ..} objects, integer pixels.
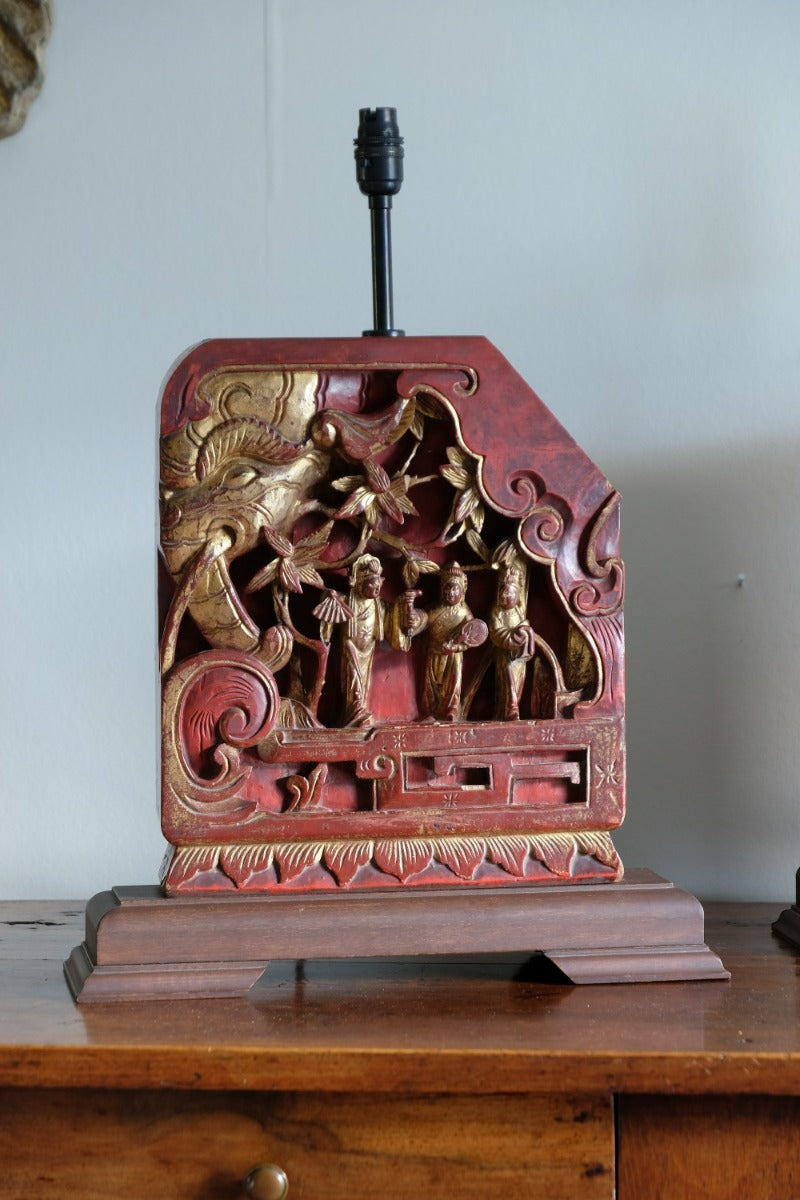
[{"x": 246, "y": 477}]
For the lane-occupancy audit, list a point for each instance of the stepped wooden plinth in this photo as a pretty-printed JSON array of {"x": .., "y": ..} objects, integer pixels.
[{"x": 142, "y": 945}]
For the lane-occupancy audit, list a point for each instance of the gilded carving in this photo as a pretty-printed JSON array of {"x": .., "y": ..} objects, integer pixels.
[
  {"x": 451, "y": 630},
  {"x": 391, "y": 646},
  {"x": 24, "y": 29},
  {"x": 513, "y": 639},
  {"x": 384, "y": 862}
]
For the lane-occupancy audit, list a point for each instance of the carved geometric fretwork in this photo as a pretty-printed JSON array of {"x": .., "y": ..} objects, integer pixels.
[{"x": 392, "y": 645}]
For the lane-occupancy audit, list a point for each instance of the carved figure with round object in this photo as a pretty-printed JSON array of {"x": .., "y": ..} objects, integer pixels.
[
  {"x": 452, "y": 630},
  {"x": 391, "y": 635}
]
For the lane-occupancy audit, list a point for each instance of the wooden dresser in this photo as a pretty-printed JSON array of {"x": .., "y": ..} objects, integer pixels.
[{"x": 403, "y": 1080}]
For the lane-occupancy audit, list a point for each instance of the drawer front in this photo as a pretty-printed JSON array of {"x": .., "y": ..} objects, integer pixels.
[
  {"x": 709, "y": 1147},
  {"x": 331, "y": 1146}
]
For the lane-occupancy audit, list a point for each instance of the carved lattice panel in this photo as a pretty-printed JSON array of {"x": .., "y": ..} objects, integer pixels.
[{"x": 392, "y": 641}]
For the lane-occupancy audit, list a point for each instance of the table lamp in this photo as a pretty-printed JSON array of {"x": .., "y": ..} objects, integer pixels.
[{"x": 392, "y": 669}]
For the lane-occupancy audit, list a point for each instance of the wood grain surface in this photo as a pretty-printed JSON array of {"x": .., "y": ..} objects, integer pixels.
[
  {"x": 163, "y": 1145},
  {"x": 141, "y": 945},
  {"x": 409, "y": 1078},
  {"x": 427, "y": 1025},
  {"x": 708, "y": 1148}
]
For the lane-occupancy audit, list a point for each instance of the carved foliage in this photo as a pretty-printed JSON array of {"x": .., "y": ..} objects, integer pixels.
[
  {"x": 377, "y": 574},
  {"x": 413, "y": 862}
]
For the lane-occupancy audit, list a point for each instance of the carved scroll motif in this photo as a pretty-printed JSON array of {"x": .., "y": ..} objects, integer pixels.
[
  {"x": 222, "y": 703},
  {"x": 369, "y": 627},
  {"x": 603, "y": 592}
]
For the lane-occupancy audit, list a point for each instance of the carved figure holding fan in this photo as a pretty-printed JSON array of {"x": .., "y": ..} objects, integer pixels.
[{"x": 362, "y": 622}]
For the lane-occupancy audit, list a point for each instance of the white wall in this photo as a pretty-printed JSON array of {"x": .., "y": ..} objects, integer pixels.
[{"x": 608, "y": 191}]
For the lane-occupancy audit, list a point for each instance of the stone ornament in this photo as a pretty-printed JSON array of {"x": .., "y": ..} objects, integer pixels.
[{"x": 24, "y": 29}]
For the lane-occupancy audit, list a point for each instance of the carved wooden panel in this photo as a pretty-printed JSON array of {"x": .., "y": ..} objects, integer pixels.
[{"x": 392, "y": 638}]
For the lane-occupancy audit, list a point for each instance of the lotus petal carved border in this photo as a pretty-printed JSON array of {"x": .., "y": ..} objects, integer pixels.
[{"x": 515, "y": 858}]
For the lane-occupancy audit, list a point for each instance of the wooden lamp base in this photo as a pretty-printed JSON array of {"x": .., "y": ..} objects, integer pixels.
[{"x": 141, "y": 945}]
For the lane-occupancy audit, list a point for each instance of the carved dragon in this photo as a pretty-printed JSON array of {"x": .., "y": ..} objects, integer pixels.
[{"x": 224, "y": 481}]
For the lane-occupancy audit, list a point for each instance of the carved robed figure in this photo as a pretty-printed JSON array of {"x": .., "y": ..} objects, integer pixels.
[{"x": 391, "y": 646}]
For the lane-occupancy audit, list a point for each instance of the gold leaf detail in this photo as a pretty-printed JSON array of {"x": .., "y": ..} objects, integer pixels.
[
  {"x": 429, "y": 406},
  {"x": 478, "y": 544},
  {"x": 377, "y": 477},
  {"x": 417, "y": 426},
  {"x": 466, "y": 505},
  {"x": 345, "y": 859},
  {"x": 191, "y": 861},
  {"x": 332, "y": 608},
  {"x": 462, "y": 856},
  {"x": 457, "y": 476},
  {"x": 402, "y": 857},
  {"x": 599, "y": 846},
  {"x": 477, "y": 517},
  {"x": 293, "y": 858},
  {"x": 240, "y": 863},
  {"x": 510, "y": 853},
  {"x": 346, "y": 483},
  {"x": 557, "y": 851}
]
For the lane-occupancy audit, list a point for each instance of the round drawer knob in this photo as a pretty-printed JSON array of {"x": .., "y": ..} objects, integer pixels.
[{"x": 266, "y": 1182}]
